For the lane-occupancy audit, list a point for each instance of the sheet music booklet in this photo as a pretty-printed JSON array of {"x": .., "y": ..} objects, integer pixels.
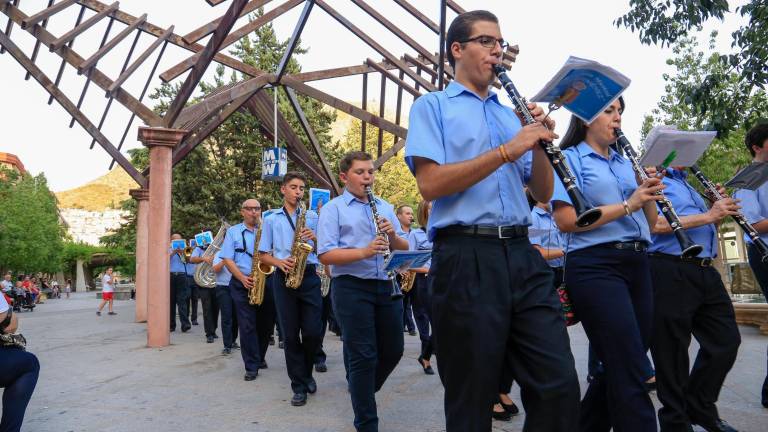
[
  {"x": 751, "y": 177},
  {"x": 666, "y": 146},
  {"x": 400, "y": 260}
]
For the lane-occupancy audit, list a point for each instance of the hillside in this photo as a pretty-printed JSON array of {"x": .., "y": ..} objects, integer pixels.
[{"x": 105, "y": 192}]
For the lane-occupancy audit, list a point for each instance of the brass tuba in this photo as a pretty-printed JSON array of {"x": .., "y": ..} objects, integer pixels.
[
  {"x": 204, "y": 275},
  {"x": 259, "y": 272},
  {"x": 299, "y": 250}
]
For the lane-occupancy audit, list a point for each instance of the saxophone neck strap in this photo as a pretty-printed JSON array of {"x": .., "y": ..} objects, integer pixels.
[
  {"x": 244, "y": 249},
  {"x": 290, "y": 221}
]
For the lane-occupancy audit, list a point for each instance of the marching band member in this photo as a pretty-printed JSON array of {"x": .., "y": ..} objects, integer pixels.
[
  {"x": 298, "y": 308},
  {"x": 755, "y": 210},
  {"x": 179, "y": 288},
  {"x": 492, "y": 292},
  {"x": 207, "y": 296},
  {"x": 690, "y": 298},
  {"x": 404, "y": 215},
  {"x": 607, "y": 272},
  {"x": 237, "y": 254},
  {"x": 371, "y": 321},
  {"x": 422, "y": 301},
  {"x": 194, "y": 292},
  {"x": 226, "y": 305}
]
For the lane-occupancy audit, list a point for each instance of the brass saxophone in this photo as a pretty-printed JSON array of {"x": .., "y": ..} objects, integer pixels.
[
  {"x": 299, "y": 250},
  {"x": 406, "y": 280},
  {"x": 204, "y": 275},
  {"x": 259, "y": 272}
]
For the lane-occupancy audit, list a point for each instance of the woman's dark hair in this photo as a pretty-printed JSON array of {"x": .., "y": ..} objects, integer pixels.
[
  {"x": 577, "y": 129},
  {"x": 756, "y": 137},
  {"x": 461, "y": 29}
]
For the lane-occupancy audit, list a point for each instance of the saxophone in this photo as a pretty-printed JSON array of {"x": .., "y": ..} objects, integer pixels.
[
  {"x": 406, "y": 280},
  {"x": 259, "y": 272},
  {"x": 299, "y": 250},
  {"x": 204, "y": 275}
]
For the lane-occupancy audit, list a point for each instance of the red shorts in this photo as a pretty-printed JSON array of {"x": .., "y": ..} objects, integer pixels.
[{"x": 107, "y": 295}]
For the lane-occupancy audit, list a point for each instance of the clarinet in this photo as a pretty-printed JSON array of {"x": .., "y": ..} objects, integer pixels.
[
  {"x": 585, "y": 214},
  {"x": 687, "y": 246},
  {"x": 395, "y": 293},
  {"x": 748, "y": 229}
]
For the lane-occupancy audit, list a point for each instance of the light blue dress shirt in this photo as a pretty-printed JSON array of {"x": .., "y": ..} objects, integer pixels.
[
  {"x": 347, "y": 223},
  {"x": 418, "y": 240},
  {"x": 234, "y": 241},
  {"x": 754, "y": 206},
  {"x": 456, "y": 125},
  {"x": 196, "y": 252},
  {"x": 224, "y": 276},
  {"x": 602, "y": 181},
  {"x": 177, "y": 265},
  {"x": 551, "y": 239},
  {"x": 277, "y": 236},
  {"x": 686, "y": 201}
]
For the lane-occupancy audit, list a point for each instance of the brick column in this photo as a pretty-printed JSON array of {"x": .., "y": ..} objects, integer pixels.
[
  {"x": 160, "y": 142},
  {"x": 142, "y": 232}
]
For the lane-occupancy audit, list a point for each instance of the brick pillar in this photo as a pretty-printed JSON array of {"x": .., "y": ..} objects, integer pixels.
[
  {"x": 160, "y": 142},
  {"x": 142, "y": 232}
]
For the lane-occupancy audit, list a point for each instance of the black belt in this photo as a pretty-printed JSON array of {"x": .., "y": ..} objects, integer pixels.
[
  {"x": 500, "y": 232},
  {"x": 701, "y": 262},
  {"x": 179, "y": 273},
  {"x": 637, "y": 246}
]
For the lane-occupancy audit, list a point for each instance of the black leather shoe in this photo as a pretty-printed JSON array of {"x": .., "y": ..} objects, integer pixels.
[
  {"x": 250, "y": 376},
  {"x": 512, "y": 409},
  {"x": 185, "y": 329},
  {"x": 173, "y": 329},
  {"x": 412, "y": 332},
  {"x": 719, "y": 426},
  {"x": 271, "y": 340},
  {"x": 502, "y": 415},
  {"x": 312, "y": 386},
  {"x": 299, "y": 399},
  {"x": 321, "y": 367},
  {"x": 235, "y": 345},
  {"x": 263, "y": 364},
  {"x": 194, "y": 323},
  {"x": 226, "y": 351},
  {"x": 209, "y": 339},
  {"x": 281, "y": 345},
  {"x": 427, "y": 369}
]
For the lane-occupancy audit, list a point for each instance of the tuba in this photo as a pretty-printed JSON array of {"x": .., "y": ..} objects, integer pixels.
[
  {"x": 300, "y": 250},
  {"x": 204, "y": 275},
  {"x": 259, "y": 272}
]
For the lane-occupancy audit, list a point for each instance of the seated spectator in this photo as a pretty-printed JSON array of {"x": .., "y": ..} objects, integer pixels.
[{"x": 19, "y": 371}]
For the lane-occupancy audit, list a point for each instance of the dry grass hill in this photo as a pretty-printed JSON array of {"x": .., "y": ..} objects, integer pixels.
[{"x": 105, "y": 192}]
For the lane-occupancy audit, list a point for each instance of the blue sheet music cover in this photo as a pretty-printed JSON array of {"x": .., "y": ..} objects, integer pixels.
[
  {"x": 204, "y": 238},
  {"x": 318, "y": 197},
  {"x": 584, "y": 87},
  {"x": 192, "y": 243},
  {"x": 403, "y": 260},
  {"x": 178, "y": 244}
]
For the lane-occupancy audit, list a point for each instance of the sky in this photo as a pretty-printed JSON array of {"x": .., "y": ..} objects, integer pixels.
[{"x": 547, "y": 32}]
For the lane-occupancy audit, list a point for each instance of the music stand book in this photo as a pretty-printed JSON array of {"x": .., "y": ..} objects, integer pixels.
[
  {"x": 400, "y": 260},
  {"x": 318, "y": 197},
  {"x": 178, "y": 244},
  {"x": 751, "y": 177},
  {"x": 584, "y": 87},
  {"x": 204, "y": 238},
  {"x": 192, "y": 243},
  {"x": 666, "y": 146}
]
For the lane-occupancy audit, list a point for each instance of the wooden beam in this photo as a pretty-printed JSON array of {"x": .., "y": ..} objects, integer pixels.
[
  {"x": 9, "y": 25},
  {"x": 375, "y": 45},
  {"x": 215, "y": 2},
  {"x": 90, "y": 22},
  {"x": 283, "y": 65},
  {"x": 139, "y": 60},
  {"x": 418, "y": 15},
  {"x": 387, "y": 155},
  {"x": 145, "y": 114},
  {"x": 402, "y": 84},
  {"x": 109, "y": 45},
  {"x": 36, "y": 49},
  {"x": 389, "y": 25},
  {"x": 205, "y": 58},
  {"x": 345, "y": 106},
  {"x": 46, "y": 13},
  {"x": 235, "y": 36},
  {"x": 206, "y": 29},
  {"x": 70, "y": 107}
]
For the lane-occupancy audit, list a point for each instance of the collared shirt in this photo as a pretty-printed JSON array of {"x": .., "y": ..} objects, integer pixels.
[
  {"x": 549, "y": 237},
  {"x": 347, "y": 223},
  {"x": 686, "y": 201},
  {"x": 754, "y": 206},
  {"x": 224, "y": 276},
  {"x": 233, "y": 247},
  {"x": 278, "y": 233},
  {"x": 191, "y": 267},
  {"x": 418, "y": 240},
  {"x": 177, "y": 265},
  {"x": 603, "y": 182},
  {"x": 455, "y": 125}
]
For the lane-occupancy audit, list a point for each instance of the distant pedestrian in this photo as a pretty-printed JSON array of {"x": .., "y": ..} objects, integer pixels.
[
  {"x": 68, "y": 288},
  {"x": 107, "y": 291}
]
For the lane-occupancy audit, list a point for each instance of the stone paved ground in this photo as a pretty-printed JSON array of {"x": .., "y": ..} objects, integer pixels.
[{"x": 97, "y": 375}]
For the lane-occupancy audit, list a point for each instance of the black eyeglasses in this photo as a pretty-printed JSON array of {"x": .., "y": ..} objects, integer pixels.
[
  {"x": 487, "y": 41},
  {"x": 253, "y": 209}
]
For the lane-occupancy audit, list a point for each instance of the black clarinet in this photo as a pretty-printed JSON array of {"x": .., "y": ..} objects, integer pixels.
[
  {"x": 395, "y": 292},
  {"x": 585, "y": 214},
  {"x": 687, "y": 246},
  {"x": 739, "y": 218}
]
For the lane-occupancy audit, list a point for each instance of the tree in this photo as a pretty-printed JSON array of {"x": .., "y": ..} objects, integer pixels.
[
  {"x": 30, "y": 232},
  {"x": 666, "y": 22},
  {"x": 727, "y": 153}
]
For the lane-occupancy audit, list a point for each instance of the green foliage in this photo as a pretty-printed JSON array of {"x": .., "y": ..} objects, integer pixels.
[
  {"x": 30, "y": 233},
  {"x": 716, "y": 97},
  {"x": 121, "y": 260}
]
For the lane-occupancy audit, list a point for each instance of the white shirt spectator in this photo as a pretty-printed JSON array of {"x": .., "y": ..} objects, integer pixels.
[
  {"x": 6, "y": 285},
  {"x": 3, "y": 304},
  {"x": 107, "y": 283}
]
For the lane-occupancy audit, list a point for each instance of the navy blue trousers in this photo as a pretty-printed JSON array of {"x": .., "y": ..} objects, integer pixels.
[
  {"x": 298, "y": 312},
  {"x": 254, "y": 323},
  {"x": 408, "y": 323},
  {"x": 760, "y": 269},
  {"x": 421, "y": 298},
  {"x": 612, "y": 295},
  {"x": 372, "y": 324},
  {"x": 228, "y": 315},
  {"x": 494, "y": 307},
  {"x": 179, "y": 300},
  {"x": 194, "y": 296},
  {"x": 18, "y": 376}
]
